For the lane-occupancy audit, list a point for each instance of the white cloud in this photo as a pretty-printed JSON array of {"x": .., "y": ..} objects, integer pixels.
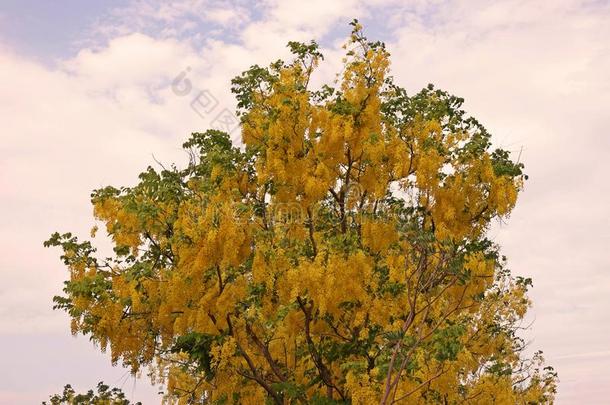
[
  {"x": 191, "y": 20},
  {"x": 536, "y": 75}
]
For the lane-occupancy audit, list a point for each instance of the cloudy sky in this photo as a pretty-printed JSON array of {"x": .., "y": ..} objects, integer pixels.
[{"x": 87, "y": 100}]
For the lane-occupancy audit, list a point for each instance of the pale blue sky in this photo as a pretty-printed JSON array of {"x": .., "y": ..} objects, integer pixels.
[
  {"x": 49, "y": 29},
  {"x": 85, "y": 83}
]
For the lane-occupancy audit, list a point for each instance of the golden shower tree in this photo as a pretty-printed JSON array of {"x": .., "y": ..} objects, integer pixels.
[{"x": 340, "y": 257}]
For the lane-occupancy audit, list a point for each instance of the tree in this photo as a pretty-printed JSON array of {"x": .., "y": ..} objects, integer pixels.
[
  {"x": 104, "y": 396},
  {"x": 339, "y": 257}
]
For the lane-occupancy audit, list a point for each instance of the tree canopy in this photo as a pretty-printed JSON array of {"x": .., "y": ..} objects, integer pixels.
[
  {"x": 104, "y": 395},
  {"x": 340, "y": 256}
]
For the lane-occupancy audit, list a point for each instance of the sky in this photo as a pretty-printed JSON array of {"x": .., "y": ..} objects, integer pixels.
[{"x": 89, "y": 97}]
